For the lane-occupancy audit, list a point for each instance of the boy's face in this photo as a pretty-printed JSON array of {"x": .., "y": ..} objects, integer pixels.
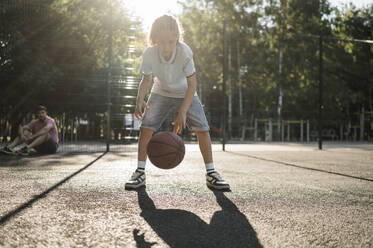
[
  {"x": 41, "y": 115},
  {"x": 167, "y": 42}
]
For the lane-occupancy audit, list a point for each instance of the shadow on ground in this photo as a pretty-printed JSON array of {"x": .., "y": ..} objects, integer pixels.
[
  {"x": 300, "y": 167},
  {"x": 179, "y": 228},
  {"x": 52, "y": 159},
  {"x": 35, "y": 198}
]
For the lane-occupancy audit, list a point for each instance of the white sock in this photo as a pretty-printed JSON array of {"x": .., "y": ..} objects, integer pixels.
[
  {"x": 209, "y": 167},
  {"x": 141, "y": 165}
]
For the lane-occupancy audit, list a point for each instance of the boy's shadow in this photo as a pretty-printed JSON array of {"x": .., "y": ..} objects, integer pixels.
[{"x": 179, "y": 228}]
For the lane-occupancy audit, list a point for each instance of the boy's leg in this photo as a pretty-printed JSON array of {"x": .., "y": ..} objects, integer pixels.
[
  {"x": 213, "y": 178},
  {"x": 204, "y": 142},
  {"x": 138, "y": 177},
  {"x": 197, "y": 122},
  {"x": 159, "y": 108},
  {"x": 144, "y": 138}
]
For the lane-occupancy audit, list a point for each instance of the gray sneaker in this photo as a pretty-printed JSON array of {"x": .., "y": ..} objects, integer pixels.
[
  {"x": 7, "y": 150},
  {"x": 137, "y": 180},
  {"x": 214, "y": 180}
]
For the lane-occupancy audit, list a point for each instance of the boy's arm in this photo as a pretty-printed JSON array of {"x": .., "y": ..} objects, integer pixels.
[
  {"x": 180, "y": 120},
  {"x": 143, "y": 89}
]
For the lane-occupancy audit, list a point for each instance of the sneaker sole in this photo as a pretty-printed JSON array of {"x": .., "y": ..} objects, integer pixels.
[
  {"x": 226, "y": 187},
  {"x": 8, "y": 153},
  {"x": 23, "y": 154},
  {"x": 134, "y": 186}
]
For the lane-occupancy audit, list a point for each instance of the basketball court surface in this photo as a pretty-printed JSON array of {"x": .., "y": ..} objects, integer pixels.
[{"x": 282, "y": 195}]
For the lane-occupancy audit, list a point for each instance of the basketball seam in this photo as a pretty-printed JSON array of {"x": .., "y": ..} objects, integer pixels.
[
  {"x": 166, "y": 154},
  {"x": 179, "y": 146},
  {"x": 163, "y": 143}
]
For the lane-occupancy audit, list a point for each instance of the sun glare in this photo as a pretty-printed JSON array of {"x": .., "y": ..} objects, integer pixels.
[{"x": 148, "y": 10}]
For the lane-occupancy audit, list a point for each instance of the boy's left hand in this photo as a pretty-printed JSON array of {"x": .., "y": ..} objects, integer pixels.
[{"x": 179, "y": 122}]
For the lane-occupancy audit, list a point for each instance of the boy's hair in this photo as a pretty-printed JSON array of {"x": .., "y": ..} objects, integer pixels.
[
  {"x": 40, "y": 108},
  {"x": 165, "y": 23}
]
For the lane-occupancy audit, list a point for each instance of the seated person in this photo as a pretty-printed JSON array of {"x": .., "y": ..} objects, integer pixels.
[{"x": 40, "y": 136}]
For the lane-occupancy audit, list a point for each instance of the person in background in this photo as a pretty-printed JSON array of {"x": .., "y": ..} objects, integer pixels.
[{"x": 39, "y": 136}]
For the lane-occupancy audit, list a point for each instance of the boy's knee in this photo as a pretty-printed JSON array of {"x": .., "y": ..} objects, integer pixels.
[
  {"x": 202, "y": 133},
  {"x": 146, "y": 131}
]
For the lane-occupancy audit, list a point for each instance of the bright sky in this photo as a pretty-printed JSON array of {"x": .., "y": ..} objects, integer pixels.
[
  {"x": 357, "y": 3},
  {"x": 148, "y": 10}
]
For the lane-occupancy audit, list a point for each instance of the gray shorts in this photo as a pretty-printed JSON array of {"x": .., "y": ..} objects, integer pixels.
[{"x": 161, "y": 106}]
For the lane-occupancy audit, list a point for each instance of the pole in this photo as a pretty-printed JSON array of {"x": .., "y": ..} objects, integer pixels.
[
  {"x": 321, "y": 106},
  {"x": 108, "y": 120},
  {"x": 288, "y": 132},
  {"x": 282, "y": 130},
  {"x": 63, "y": 128},
  {"x": 224, "y": 76},
  {"x": 308, "y": 131},
  {"x": 256, "y": 130},
  {"x": 240, "y": 105},
  {"x": 283, "y": 5},
  {"x": 229, "y": 80},
  {"x": 362, "y": 124},
  {"x": 270, "y": 129},
  {"x": 321, "y": 86}
]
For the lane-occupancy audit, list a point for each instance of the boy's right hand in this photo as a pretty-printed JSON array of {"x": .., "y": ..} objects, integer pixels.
[{"x": 140, "y": 106}]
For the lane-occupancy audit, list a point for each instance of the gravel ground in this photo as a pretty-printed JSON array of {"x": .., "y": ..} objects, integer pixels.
[{"x": 283, "y": 195}]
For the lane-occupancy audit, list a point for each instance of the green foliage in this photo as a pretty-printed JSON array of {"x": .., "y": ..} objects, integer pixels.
[
  {"x": 57, "y": 53},
  {"x": 261, "y": 28}
]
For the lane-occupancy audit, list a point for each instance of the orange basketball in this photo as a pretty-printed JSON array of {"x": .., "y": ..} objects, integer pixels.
[{"x": 166, "y": 150}]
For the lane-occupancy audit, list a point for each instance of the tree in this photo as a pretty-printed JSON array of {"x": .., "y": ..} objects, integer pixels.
[{"x": 56, "y": 53}]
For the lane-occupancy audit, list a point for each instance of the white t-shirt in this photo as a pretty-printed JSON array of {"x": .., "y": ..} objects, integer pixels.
[{"x": 170, "y": 77}]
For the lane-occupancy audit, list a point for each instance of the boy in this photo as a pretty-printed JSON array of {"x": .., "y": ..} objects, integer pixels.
[{"x": 170, "y": 61}]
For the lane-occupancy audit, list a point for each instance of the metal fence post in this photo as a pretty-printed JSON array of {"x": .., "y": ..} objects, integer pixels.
[
  {"x": 270, "y": 129},
  {"x": 362, "y": 124},
  {"x": 256, "y": 130},
  {"x": 282, "y": 130},
  {"x": 224, "y": 76},
  {"x": 308, "y": 131},
  {"x": 108, "y": 120}
]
